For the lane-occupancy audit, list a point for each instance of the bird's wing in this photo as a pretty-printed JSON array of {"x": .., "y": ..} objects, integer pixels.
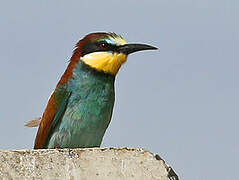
[{"x": 54, "y": 111}]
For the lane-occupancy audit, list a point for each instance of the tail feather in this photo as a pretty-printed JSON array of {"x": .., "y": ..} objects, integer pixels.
[{"x": 34, "y": 123}]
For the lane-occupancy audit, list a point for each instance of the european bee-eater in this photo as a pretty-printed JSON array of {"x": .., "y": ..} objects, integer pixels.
[{"x": 80, "y": 108}]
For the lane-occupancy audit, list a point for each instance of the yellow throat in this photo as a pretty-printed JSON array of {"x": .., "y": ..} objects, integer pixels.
[{"x": 105, "y": 61}]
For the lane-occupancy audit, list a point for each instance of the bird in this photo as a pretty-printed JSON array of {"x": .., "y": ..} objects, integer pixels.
[{"x": 80, "y": 108}]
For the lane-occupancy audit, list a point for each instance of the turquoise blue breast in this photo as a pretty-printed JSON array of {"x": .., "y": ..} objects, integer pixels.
[{"x": 88, "y": 109}]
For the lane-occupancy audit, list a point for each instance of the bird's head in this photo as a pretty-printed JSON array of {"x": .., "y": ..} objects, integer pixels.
[{"x": 107, "y": 51}]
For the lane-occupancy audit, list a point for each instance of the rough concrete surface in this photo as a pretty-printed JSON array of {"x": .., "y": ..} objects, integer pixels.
[{"x": 84, "y": 164}]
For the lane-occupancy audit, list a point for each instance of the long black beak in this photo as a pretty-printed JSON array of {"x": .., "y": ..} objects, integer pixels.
[{"x": 131, "y": 48}]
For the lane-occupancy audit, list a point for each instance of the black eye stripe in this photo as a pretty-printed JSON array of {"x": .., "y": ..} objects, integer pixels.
[
  {"x": 98, "y": 46},
  {"x": 104, "y": 44}
]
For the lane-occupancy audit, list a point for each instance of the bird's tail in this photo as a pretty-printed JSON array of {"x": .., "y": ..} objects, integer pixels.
[{"x": 34, "y": 123}]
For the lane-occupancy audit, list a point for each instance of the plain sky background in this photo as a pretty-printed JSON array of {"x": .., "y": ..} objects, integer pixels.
[{"x": 181, "y": 103}]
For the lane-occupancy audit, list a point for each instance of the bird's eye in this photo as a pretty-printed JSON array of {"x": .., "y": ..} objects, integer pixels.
[{"x": 103, "y": 45}]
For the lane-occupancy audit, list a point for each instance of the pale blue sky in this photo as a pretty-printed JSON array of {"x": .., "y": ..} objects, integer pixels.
[{"x": 181, "y": 102}]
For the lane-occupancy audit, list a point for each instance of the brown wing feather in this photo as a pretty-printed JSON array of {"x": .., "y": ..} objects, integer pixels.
[
  {"x": 46, "y": 122},
  {"x": 51, "y": 108}
]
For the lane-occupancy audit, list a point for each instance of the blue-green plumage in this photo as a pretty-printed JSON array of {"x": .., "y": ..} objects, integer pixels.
[{"x": 86, "y": 103}]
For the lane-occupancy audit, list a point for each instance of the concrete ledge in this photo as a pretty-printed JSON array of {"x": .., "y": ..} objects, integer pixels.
[{"x": 84, "y": 164}]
